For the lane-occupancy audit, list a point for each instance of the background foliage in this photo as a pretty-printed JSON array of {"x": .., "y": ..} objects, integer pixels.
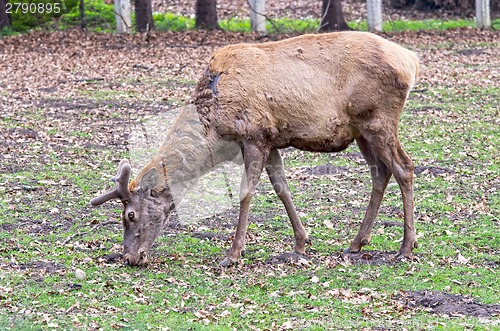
[{"x": 281, "y": 17}]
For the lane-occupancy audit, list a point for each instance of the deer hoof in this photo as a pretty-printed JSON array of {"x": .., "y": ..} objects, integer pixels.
[
  {"x": 404, "y": 254},
  {"x": 226, "y": 262},
  {"x": 405, "y": 257},
  {"x": 356, "y": 245},
  {"x": 350, "y": 250}
]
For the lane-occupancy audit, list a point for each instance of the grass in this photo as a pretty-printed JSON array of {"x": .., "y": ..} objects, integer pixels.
[{"x": 45, "y": 191}]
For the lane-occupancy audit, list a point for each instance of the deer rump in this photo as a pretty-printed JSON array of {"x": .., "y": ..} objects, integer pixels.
[{"x": 313, "y": 92}]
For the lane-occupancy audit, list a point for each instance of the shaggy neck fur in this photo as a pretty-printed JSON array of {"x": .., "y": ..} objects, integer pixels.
[{"x": 185, "y": 154}]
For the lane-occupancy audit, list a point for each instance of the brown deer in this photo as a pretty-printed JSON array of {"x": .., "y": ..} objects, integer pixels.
[{"x": 313, "y": 92}]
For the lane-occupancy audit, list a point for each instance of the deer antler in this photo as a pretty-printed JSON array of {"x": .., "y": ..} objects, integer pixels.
[{"x": 121, "y": 189}]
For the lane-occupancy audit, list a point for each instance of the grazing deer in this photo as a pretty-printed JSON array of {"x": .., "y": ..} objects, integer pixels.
[{"x": 313, "y": 92}]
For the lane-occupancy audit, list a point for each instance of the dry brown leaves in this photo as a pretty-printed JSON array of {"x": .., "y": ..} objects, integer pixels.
[{"x": 354, "y": 10}]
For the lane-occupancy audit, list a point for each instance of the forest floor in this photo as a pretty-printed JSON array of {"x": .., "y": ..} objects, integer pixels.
[
  {"x": 73, "y": 104},
  {"x": 354, "y": 10}
]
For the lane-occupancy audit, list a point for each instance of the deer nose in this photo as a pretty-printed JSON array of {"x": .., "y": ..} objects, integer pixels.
[
  {"x": 136, "y": 259},
  {"x": 143, "y": 257},
  {"x": 130, "y": 259}
]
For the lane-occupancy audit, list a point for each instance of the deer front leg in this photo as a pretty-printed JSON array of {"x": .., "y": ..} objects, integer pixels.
[
  {"x": 380, "y": 178},
  {"x": 254, "y": 158},
  {"x": 276, "y": 172}
]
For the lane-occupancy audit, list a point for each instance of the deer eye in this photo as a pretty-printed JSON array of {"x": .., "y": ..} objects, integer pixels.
[{"x": 131, "y": 215}]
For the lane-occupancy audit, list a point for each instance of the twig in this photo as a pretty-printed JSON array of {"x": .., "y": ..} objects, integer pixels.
[
  {"x": 278, "y": 30},
  {"x": 321, "y": 24},
  {"x": 85, "y": 232},
  {"x": 88, "y": 80}
]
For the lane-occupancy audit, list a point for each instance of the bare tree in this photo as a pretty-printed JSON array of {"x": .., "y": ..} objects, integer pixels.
[
  {"x": 332, "y": 18},
  {"x": 143, "y": 15},
  {"x": 4, "y": 17},
  {"x": 206, "y": 15}
]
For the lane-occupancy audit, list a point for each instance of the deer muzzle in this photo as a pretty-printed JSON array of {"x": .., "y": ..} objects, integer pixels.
[{"x": 139, "y": 259}]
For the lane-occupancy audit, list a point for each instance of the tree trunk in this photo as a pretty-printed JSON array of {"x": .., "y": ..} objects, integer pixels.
[
  {"x": 333, "y": 17},
  {"x": 83, "y": 18},
  {"x": 4, "y": 17},
  {"x": 206, "y": 15},
  {"x": 143, "y": 16}
]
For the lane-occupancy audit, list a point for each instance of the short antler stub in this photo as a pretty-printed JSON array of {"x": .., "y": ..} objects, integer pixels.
[{"x": 121, "y": 189}]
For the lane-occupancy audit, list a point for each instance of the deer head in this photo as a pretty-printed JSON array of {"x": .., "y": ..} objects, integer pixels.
[{"x": 146, "y": 208}]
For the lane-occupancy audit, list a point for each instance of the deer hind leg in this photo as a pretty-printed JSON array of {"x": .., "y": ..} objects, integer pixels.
[
  {"x": 403, "y": 169},
  {"x": 276, "y": 172},
  {"x": 254, "y": 159},
  {"x": 380, "y": 178},
  {"x": 401, "y": 166}
]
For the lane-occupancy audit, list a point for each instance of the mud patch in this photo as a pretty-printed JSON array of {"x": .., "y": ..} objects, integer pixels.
[
  {"x": 324, "y": 169},
  {"x": 369, "y": 257},
  {"x": 433, "y": 171},
  {"x": 210, "y": 236},
  {"x": 471, "y": 51},
  {"x": 39, "y": 266},
  {"x": 444, "y": 303},
  {"x": 427, "y": 109},
  {"x": 386, "y": 224},
  {"x": 22, "y": 133},
  {"x": 113, "y": 258},
  {"x": 6, "y": 227},
  {"x": 353, "y": 156},
  {"x": 289, "y": 258}
]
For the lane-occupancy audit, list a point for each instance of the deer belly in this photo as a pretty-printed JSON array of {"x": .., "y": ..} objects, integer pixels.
[{"x": 331, "y": 141}]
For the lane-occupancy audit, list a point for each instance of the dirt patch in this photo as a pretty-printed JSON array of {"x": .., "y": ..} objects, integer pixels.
[
  {"x": 433, "y": 171},
  {"x": 289, "y": 257},
  {"x": 353, "y": 156},
  {"x": 324, "y": 169},
  {"x": 444, "y": 303},
  {"x": 228, "y": 219},
  {"x": 33, "y": 226},
  {"x": 7, "y": 227},
  {"x": 22, "y": 132},
  {"x": 41, "y": 266},
  {"x": 369, "y": 257},
  {"x": 386, "y": 224},
  {"x": 113, "y": 258},
  {"x": 209, "y": 236},
  {"x": 470, "y": 51},
  {"x": 426, "y": 109}
]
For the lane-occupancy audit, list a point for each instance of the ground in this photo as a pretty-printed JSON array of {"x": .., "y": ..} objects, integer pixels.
[
  {"x": 71, "y": 103},
  {"x": 354, "y": 10}
]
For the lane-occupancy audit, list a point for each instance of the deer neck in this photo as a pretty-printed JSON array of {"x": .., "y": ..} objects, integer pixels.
[{"x": 186, "y": 153}]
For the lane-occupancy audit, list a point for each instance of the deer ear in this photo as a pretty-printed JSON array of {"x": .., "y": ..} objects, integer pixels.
[{"x": 149, "y": 180}]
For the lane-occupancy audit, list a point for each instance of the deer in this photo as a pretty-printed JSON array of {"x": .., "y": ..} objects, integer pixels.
[{"x": 314, "y": 92}]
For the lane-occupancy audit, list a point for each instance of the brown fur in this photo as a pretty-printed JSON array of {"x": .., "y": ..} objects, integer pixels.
[{"x": 313, "y": 92}]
